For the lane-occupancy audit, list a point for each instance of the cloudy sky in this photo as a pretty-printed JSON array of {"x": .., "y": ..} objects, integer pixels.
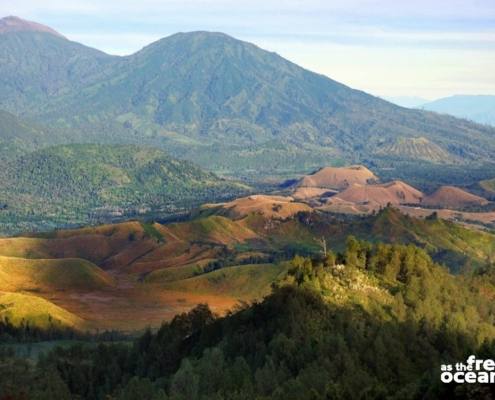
[{"x": 425, "y": 48}]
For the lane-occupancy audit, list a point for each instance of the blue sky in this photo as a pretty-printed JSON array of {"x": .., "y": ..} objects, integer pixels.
[{"x": 419, "y": 48}]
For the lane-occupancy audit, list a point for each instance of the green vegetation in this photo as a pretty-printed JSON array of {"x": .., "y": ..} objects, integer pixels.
[
  {"x": 455, "y": 246},
  {"x": 173, "y": 274},
  {"x": 82, "y": 184},
  {"x": 19, "y": 137},
  {"x": 243, "y": 282},
  {"x": 378, "y": 326},
  {"x": 488, "y": 185},
  {"x": 151, "y": 231},
  {"x": 53, "y": 274},
  {"x": 19, "y": 309},
  {"x": 228, "y": 106}
]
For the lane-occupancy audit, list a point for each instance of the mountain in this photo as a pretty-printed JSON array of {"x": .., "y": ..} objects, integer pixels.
[
  {"x": 18, "y": 137},
  {"x": 480, "y": 109},
  {"x": 37, "y": 64},
  {"x": 84, "y": 183},
  {"x": 224, "y": 103}
]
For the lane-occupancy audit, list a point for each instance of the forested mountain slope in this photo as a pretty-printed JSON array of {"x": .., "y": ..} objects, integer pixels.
[{"x": 225, "y": 103}]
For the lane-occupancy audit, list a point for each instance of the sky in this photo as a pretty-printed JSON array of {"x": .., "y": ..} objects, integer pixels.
[{"x": 390, "y": 48}]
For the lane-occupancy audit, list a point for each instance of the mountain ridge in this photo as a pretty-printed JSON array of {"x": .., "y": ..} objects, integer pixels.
[{"x": 226, "y": 104}]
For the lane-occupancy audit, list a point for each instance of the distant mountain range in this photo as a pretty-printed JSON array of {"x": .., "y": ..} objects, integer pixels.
[
  {"x": 480, "y": 109},
  {"x": 476, "y": 108},
  {"x": 226, "y": 104}
]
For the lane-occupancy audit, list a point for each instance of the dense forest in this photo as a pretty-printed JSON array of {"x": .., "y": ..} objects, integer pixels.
[
  {"x": 81, "y": 184},
  {"x": 372, "y": 322}
]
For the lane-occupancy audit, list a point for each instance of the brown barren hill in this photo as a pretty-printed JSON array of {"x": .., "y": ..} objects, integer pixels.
[
  {"x": 395, "y": 192},
  {"x": 339, "y": 178},
  {"x": 453, "y": 197},
  {"x": 16, "y": 24},
  {"x": 269, "y": 206},
  {"x": 306, "y": 193}
]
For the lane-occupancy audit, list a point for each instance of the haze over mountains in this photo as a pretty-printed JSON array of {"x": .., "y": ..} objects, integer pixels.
[
  {"x": 480, "y": 109},
  {"x": 228, "y": 105},
  {"x": 476, "y": 108}
]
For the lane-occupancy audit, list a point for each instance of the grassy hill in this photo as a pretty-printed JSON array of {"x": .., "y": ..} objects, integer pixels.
[
  {"x": 447, "y": 242},
  {"x": 46, "y": 275},
  {"x": 20, "y": 308},
  {"x": 159, "y": 270},
  {"x": 379, "y": 327},
  {"x": 129, "y": 247},
  {"x": 87, "y": 183},
  {"x": 245, "y": 282}
]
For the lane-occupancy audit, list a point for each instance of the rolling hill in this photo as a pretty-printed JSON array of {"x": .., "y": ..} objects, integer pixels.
[
  {"x": 226, "y": 104},
  {"x": 480, "y": 109},
  {"x": 396, "y": 192},
  {"x": 19, "y": 308},
  {"x": 453, "y": 197},
  {"x": 130, "y": 275},
  {"x": 338, "y": 178},
  {"x": 47, "y": 275},
  {"x": 270, "y": 206},
  {"x": 84, "y": 183}
]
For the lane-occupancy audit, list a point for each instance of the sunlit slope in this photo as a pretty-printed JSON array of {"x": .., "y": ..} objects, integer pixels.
[
  {"x": 17, "y": 274},
  {"x": 26, "y": 308},
  {"x": 138, "y": 248},
  {"x": 244, "y": 282}
]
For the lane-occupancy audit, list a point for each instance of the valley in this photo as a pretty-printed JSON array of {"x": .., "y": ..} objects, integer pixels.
[{"x": 130, "y": 275}]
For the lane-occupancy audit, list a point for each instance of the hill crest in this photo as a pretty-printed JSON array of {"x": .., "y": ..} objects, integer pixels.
[
  {"x": 453, "y": 197},
  {"x": 338, "y": 178}
]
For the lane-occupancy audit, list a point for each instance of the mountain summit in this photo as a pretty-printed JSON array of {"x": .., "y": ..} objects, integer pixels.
[{"x": 16, "y": 24}]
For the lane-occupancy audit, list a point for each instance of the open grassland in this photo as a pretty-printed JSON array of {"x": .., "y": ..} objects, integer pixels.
[
  {"x": 131, "y": 275},
  {"x": 18, "y": 274},
  {"x": 26, "y": 308},
  {"x": 246, "y": 282}
]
